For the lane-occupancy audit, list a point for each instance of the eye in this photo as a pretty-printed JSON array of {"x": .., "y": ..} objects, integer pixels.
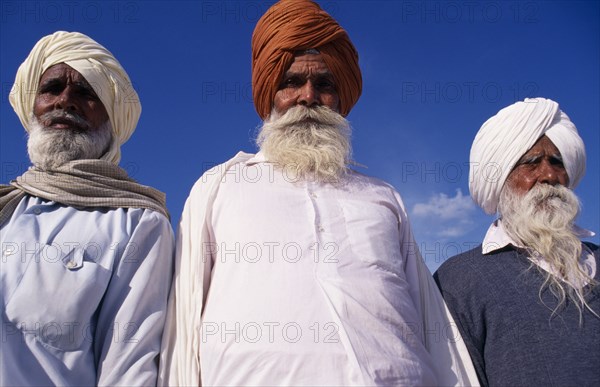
[
  {"x": 290, "y": 82},
  {"x": 325, "y": 84},
  {"x": 51, "y": 88},
  {"x": 556, "y": 160},
  {"x": 86, "y": 91}
]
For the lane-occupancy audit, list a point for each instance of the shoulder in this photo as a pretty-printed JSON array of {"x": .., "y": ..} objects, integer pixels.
[
  {"x": 213, "y": 175},
  {"x": 359, "y": 178},
  {"x": 475, "y": 260},
  {"x": 374, "y": 189},
  {"x": 155, "y": 218},
  {"x": 473, "y": 270},
  {"x": 372, "y": 185},
  {"x": 464, "y": 268},
  {"x": 461, "y": 262},
  {"x": 138, "y": 222},
  {"x": 149, "y": 226}
]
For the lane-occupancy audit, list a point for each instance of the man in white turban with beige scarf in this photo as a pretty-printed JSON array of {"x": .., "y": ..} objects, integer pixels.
[
  {"x": 526, "y": 301},
  {"x": 86, "y": 251}
]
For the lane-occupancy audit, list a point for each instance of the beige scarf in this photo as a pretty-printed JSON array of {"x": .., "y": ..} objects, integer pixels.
[{"x": 81, "y": 183}]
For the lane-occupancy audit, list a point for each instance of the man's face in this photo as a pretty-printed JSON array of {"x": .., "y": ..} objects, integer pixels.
[
  {"x": 542, "y": 164},
  {"x": 538, "y": 212},
  {"x": 307, "y": 82},
  {"x": 62, "y": 88}
]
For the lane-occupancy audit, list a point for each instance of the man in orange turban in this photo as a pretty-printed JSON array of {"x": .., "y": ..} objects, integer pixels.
[
  {"x": 294, "y": 26},
  {"x": 292, "y": 269}
]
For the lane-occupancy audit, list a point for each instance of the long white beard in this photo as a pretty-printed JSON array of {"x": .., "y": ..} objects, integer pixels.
[
  {"x": 50, "y": 148},
  {"x": 307, "y": 143},
  {"x": 543, "y": 220}
]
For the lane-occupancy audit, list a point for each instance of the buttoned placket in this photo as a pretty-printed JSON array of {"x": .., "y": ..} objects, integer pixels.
[
  {"x": 325, "y": 263},
  {"x": 310, "y": 187},
  {"x": 7, "y": 250}
]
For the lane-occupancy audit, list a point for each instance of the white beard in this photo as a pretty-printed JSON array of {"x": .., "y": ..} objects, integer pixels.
[
  {"x": 307, "y": 143},
  {"x": 543, "y": 220},
  {"x": 50, "y": 148}
]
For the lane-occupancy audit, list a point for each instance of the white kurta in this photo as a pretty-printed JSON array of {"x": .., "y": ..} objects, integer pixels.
[
  {"x": 302, "y": 283},
  {"x": 83, "y": 294}
]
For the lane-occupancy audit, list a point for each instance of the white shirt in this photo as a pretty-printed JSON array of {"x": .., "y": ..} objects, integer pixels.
[
  {"x": 83, "y": 294},
  {"x": 309, "y": 284},
  {"x": 496, "y": 239}
]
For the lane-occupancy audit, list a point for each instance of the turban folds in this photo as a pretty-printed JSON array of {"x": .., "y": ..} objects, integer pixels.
[
  {"x": 296, "y": 25},
  {"x": 507, "y": 136},
  {"x": 97, "y": 65}
]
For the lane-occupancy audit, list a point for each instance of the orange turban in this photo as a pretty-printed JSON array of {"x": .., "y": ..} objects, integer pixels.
[{"x": 296, "y": 25}]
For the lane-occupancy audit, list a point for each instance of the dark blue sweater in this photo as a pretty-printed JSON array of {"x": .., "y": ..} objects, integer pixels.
[{"x": 513, "y": 338}]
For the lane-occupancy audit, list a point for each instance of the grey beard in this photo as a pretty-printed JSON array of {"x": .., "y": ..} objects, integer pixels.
[
  {"x": 50, "y": 148},
  {"x": 542, "y": 220},
  {"x": 307, "y": 142}
]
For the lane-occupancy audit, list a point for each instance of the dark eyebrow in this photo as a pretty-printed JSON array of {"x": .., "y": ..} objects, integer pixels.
[
  {"x": 324, "y": 73},
  {"x": 84, "y": 85},
  {"x": 289, "y": 74},
  {"x": 529, "y": 158},
  {"x": 327, "y": 75},
  {"x": 51, "y": 81},
  {"x": 535, "y": 157}
]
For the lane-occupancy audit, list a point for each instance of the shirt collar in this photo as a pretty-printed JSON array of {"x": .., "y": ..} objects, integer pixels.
[
  {"x": 496, "y": 238},
  {"x": 257, "y": 158}
]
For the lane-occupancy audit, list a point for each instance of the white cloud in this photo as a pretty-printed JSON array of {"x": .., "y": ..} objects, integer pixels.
[
  {"x": 455, "y": 231},
  {"x": 441, "y": 206},
  {"x": 445, "y": 225}
]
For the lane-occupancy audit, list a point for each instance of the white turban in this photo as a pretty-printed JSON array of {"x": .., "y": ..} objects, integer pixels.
[
  {"x": 97, "y": 65},
  {"x": 507, "y": 136}
]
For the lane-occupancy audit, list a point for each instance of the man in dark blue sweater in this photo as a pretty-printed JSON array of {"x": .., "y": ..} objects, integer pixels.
[{"x": 526, "y": 301}]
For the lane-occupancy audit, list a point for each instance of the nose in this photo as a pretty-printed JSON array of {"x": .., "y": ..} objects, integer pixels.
[
  {"x": 66, "y": 100},
  {"x": 309, "y": 95}
]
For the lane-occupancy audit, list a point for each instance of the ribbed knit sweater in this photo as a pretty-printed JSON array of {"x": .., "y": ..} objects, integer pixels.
[{"x": 513, "y": 337}]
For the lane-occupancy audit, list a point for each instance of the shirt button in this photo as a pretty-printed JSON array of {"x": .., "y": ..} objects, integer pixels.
[
  {"x": 71, "y": 265},
  {"x": 313, "y": 195},
  {"x": 37, "y": 211},
  {"x": 321, "y": 229}
]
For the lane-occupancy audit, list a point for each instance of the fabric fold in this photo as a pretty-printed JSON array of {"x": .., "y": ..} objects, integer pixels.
[{"x": 83, "y": 184}]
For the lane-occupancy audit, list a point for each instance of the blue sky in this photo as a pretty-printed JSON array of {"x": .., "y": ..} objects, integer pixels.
[{"x": 433, "y": 72}]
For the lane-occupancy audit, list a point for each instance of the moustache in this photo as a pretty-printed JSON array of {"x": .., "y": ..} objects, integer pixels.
[
  {"x": 542, "y": 193},
  {"x": 74, "y": 120},
  {"x": 319, "y": 115}
]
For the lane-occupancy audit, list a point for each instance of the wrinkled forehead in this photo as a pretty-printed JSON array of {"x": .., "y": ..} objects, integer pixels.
[
  {"x": 543, "y": 146},
  {"x": 308, "y": 63}
]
